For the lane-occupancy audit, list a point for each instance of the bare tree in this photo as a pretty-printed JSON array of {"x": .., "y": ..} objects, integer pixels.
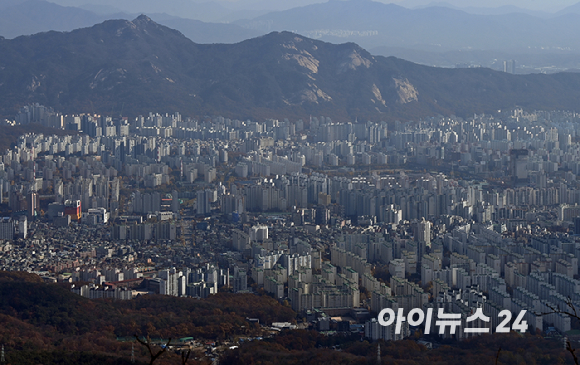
[
  {"x": 571, "y": 311},
  {"x": 155, "y": 356},
  {"x": 185, "y": 356},
  {"x": 572, "y": 351}
]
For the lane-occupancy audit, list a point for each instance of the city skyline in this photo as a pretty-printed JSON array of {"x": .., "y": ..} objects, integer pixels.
[{"x": 290, "y": 196}]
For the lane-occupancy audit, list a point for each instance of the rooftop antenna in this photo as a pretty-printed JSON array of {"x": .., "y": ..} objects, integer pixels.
[{"x": 2, "y": 357}]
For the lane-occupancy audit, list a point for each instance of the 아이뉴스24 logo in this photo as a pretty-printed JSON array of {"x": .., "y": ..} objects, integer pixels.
[{"x": 417, "y": 316}]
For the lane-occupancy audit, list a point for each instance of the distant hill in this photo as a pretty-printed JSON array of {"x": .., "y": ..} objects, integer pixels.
[
  {"x": 532, "y": 61},
  {"x": 205, "y": 10},
  {"x": 572, "y": 9},
  {"x": 26, "y": 17},
  {"x": 34, "y": 16},
  {"x": 373, "y": 24},
  {"x": 432, "y": 30},
  {"x": 141, "y": 66},
  {"x": 499, "y": 10},
  {"x": 48, "y": 324},
  {"x": 301, "y": 347},
  {"x": 201, "y": 32}
]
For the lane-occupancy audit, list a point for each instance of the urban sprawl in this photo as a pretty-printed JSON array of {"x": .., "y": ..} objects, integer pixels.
[{"x": 339, "y": 220}]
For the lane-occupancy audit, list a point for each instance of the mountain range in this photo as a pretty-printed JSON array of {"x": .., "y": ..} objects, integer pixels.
[
  {"x": 371, "y": 24},
  {"x": 438, "y": 34},
  {"x": 141, "y": 66},
  {"x": 34, "y": 16}
]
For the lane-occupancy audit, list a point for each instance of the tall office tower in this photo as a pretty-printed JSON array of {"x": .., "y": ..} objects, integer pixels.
[
  {"x": 6, "y": 228},
  {"x": 240, "y": 280},
  {"x": 423, "y": 238},
  {"x": 203, "y": 202},
  {"x": 577, "y": 225},
  {"x": 519, "y": 166},
  {"x": 175, "y": 201},
  {"x": 32, "y": 202},
  {"x": 22, "y": 227}
]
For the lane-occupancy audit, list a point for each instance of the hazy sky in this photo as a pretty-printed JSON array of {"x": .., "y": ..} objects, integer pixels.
[{"x": 544, "y": 5}]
